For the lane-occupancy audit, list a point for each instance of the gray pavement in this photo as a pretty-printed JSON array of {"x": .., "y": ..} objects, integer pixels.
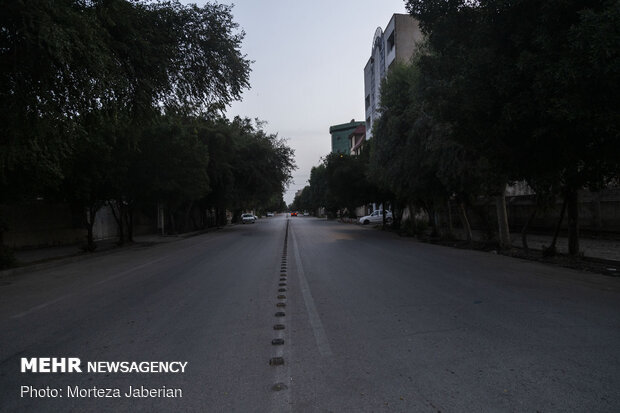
[
  {"x": 595, "y": 248},
  {"x": 372, "y": 322},
  {"x": 607, "y": 249},
  {"x": 36, "y": 255}
]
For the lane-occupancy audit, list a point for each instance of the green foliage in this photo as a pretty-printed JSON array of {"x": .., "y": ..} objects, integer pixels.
[
  {"x": 401, "y": 140},
  {"x": 121, "y": 101},
  {"x": 170, "y": 164},
  {"x": 319, "y": 193},
  {"x": 339, "y": 182},
  {"x": 529, "y": 88},
  {"x": 50, "y": 52},
  {"x": 262, "y": 165},
  {"x": 302, "y": 201},
  {"x": 64, "y": 63}
]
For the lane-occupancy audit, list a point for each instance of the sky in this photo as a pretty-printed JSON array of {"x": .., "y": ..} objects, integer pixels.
[{"x": 308, "y": 70}]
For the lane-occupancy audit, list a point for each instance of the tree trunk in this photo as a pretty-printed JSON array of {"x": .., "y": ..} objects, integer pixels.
[
  {"x": 397, "y": 215},
  {"x": 173, "y": 224},
  {"x": 118, "y": 217},
  {"x": 502, "y": 221},
  {"x": 129, "y": 222},
  {"x": 220, "y": 217},
  {"x": 436, "y": 221},
  {"x": 551, "y": 249},
  {"x": 383, "y": 211},
  {"x": 430, "y": 211},
  {"x": 526, "y": 227},
  {"x": 465, "y": 222},
  {"x": 187, "y": 215},
  {"x": 572, "y": 198},
  {"x": 90, "y": 223},
  {"x": 450, "y": 225}
]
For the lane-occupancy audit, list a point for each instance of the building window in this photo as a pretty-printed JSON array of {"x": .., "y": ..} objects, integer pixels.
[
  {"x": 367, "y": 101},
  {"x": 390, "y": 42}
]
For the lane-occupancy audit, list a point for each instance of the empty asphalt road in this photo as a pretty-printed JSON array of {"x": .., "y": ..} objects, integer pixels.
[{"x": 368, "y": 322}]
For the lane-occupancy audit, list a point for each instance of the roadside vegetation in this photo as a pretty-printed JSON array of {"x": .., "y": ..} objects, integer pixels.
[
  {"x": 122, "y": 103},
  {"x": 500, "y": 92}
]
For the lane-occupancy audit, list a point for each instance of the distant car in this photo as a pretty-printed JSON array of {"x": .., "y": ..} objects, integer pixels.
[
  {"x": 306, "y": 213},
  {"x": 293, "y": 214},
  {"x": 248, "y": 219},
  {"x": 376, "y": 217},
  {"x": 270, "y": 214}
]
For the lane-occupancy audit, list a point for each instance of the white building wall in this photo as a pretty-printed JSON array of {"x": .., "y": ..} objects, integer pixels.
[
  {"x": 367, "y": 105},
  {"x": 408, "y": 36},
  {"x": 397, "y": 42},
  {"x": 105, "y": 225},
  {"x": 390, "y": 46}
]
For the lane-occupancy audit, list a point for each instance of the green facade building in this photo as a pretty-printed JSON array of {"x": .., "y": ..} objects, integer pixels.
[{"x": 340, "y": 136}]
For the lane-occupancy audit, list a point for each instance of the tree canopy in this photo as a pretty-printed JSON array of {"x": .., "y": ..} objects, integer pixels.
[{"x": 122, "y": 102}]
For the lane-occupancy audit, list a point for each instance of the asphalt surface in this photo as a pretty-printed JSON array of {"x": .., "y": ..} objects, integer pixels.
[{"x": 372, "y": 322}]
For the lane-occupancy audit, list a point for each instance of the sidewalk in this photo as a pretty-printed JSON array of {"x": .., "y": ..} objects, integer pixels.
[
  {"x": 606, "y": 249},
  {"x": 32, "y": 256},
  {"x": 590, "y": 247}
]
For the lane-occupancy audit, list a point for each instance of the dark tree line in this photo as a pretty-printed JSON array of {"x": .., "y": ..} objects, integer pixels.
[
  {"x": 339, "y": 184},
  {"x": 121, "y": 102},
  {"x": 502, "y": 92}
]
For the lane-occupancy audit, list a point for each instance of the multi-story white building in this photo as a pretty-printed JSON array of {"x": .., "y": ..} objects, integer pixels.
[{"x": 397, "y": 42}]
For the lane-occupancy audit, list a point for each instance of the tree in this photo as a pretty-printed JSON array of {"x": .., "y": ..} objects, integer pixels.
[
  {"x": 50, "y": 53},
  {"x": 248, "y": 169},
  {"x": 413, "y": 153},
  {"x": 263, "y": 165},
  {"x": 69, "y": 67},
  {"x": 170, "y": 166},
  {"x": 319, "y": 192},
  {"x": 532, "y": 86},
  {"x": 303, "y": 202},
  {"x": 347, "y": 181}
]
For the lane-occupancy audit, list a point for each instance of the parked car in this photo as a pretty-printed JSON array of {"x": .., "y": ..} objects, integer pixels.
[
  {"x": 294, "y": 214},
  {"x": 306, "y": 213},
  {"x": 248, "y": 219},
  {"x": 270, "y": 214},
  {"x": 376, "y": 217}
]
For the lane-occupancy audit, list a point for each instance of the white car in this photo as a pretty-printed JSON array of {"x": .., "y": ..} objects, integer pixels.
[
  {"x": 248, "y": 219},
  {"x": 376, "y": 217},
  {"x": 269, "y": 214}
]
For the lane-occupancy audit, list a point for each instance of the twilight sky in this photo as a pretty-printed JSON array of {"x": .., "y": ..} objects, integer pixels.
[{"x": 308, "y": 70}]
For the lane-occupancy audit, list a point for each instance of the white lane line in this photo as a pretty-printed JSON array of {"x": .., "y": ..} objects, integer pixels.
[{"x": 315, "y": 320}]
